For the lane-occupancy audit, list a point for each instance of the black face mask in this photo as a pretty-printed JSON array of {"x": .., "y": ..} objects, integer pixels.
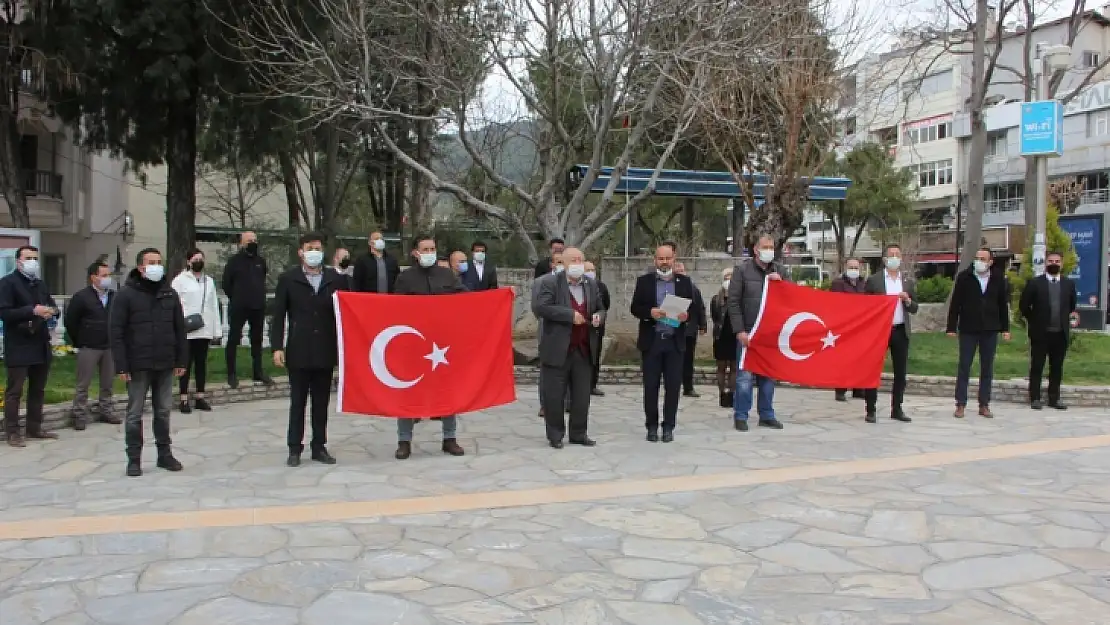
[
  {"x": 346, "y": 262},
  {"x": 252, "y": 248},
  {"x": 197, "y": 265},
  {"x": 1052, "y": 269}
]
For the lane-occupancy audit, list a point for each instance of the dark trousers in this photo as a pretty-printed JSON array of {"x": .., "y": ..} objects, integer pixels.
[
  {"x": 1053, "y": 346},
  {"x": 305, "y": 383},
  {"x": 663, "y": 362},
  {"x": 35, "y": 377},
  {"x": 570, "y": 380},
  {"x": 688, "y": 364},
  {"x": 597, "y": 356},
  {"x": 237, "y": 317},
  {"x": 986, "y": 343},
  {"x": 899, "y": 345},
  {"x": 197, "y": 364},
  {"x": 160, "y": 386}
]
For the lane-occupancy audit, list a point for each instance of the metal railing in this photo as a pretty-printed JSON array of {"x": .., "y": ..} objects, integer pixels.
[
  {"x": 43, "y": 183},
  {"x": 1095, "y": 196},
  {"x": 1007, "y": 205}
]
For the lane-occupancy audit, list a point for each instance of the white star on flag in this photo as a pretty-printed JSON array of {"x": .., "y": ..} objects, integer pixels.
[
  {"x": 438, "y": 356},
  {"x": 829, "y": 340}
]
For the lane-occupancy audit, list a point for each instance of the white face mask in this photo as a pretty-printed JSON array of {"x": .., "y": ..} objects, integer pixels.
[
  {"x": 981, "y": 266},
  {"x": 664, "y": 273},
  {"x": 724, "y": 285},
  {"x": 766, "y": 256},
  {"x": 592, "y": 275},
  {"x": 30, "y": 267},
  {"x": 313, "y": 258},
  {"x": 427, "y": 260},
  {"x": 576, "y": 271},
  {"x": 557, "y": 269},
  {"x": 853, "y": 274},
  {"x": 154, "y": 273},
  {"x": 479, "y": 257},
  {"x": 379, "y": 244},
  {"x": 105, "y": 283},
  {"x": 893, "y": 263}
]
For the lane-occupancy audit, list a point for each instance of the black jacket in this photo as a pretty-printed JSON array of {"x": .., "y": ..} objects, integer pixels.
[
  {"x": 147, "y": 326},
  {"x": 26, "y": 336},
  {"x": 604, "y": 291},
  {"x": 643, "y": 300},
  {"x": 86, "y": 319},
  {"x": 434, "y": 280},
  {"x": 973, "y": 311},
  {"x": 244, "y": 281},
  {"x": 1035, "y": 307},
  {"x": 488, "y": 280},
  {"x": 366, "y": 273},
  {"x": 313, "y": 342},
  {"x": 543, "y": 267},
  {"x": 697, "y": 321}
]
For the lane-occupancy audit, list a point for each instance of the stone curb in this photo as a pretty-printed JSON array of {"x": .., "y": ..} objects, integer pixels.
[{"x": 1009, "y": 391}]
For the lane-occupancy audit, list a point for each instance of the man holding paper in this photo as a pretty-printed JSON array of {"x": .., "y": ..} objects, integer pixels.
[{"x": 660, "y": 302}]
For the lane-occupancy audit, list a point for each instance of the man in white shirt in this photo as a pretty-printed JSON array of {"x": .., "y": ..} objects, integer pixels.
[
  {"x": 893, "y": 282},
  {"x": 480, "y": 275}
]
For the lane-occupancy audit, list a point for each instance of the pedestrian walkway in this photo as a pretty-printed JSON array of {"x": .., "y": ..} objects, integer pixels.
[{"x": 831, "y": 520}]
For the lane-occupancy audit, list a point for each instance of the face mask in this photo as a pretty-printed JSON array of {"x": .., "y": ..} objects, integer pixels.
[
  {"x": 592, "y": 275},
  {"x": 346, "y": 262},
  {"x": 664, "y": 273},
  {"x": 1052, "y": 269},
  {"x": 557, "y": 269},
  {"x": 766, "y": 256},
  {"x": 853, "y": 274},
  {"x": 197, "y": 265},
  {"x": 252, "y": 248},
  {"x": 893, "y": 263},
  {"x": 313, "y": 258},
  {"x": 31, "y": 268},
  {"x": 463, "y": 267},
  {"x": 154, "y": 273},
  {"x": 980, "y": 266},
  {"x": 105, "y": 284},
  {"x": 576, "y": 271},
  {"x": 724, "y": 285},
  {"x": 379, "y": 244},
  {"x": 427, "y": 260},
  {"x": 479, "y": 257}
]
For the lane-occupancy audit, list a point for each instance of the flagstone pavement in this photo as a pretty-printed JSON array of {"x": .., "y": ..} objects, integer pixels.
[{"x": 829, "y": 521}]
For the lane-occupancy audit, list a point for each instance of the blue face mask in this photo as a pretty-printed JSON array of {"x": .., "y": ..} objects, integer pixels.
[{"x": 463, "y": 266}]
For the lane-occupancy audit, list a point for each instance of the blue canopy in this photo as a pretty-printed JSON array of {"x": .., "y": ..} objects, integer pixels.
[{"x": 685, "y": 183}]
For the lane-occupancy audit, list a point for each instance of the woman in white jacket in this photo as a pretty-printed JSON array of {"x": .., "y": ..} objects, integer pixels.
[{"x": 201, "y": 306}]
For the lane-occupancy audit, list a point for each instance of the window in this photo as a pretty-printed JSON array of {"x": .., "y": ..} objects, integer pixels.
[
  {"x": 820, "y": 226},
  {"x": 1005, "y": 197},
  {"x": 849, "y": 126},
  {"x": 929, "y": 85},
  {"x": 1091, "y": 59},
  {"x": 1098, "y": 124},
  {"x": 54, "y": 272},
  {"x": 927, "y": 130},
  {"x": 933, "y": 174},
  {"x": 996, "y": 145},
  {"x": 848, "y": 92}
]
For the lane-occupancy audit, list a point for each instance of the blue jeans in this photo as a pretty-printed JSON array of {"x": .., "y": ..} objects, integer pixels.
[
  {"x": 405, "y": 427},
  {"x": 742, "y": 399}
]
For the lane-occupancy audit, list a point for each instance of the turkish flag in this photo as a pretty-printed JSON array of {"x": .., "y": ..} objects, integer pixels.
[
  {"x": 413, "y": 356},
  {"x": 820, "y": 339}
]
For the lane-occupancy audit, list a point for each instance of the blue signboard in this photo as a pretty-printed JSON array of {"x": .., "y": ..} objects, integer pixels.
[
  {"x": 1086, "y": 237},
  {"x": 1042, "y": 128}
]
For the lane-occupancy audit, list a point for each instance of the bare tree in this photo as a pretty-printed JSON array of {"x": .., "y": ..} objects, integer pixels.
[
  {"x": 589, "y": 82},
  {"x": 230, "y": 193}
]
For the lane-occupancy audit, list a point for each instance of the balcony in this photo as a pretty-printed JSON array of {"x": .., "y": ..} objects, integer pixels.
[
  {"x": 42, "y": 184},
  {"x": 1002, "y": 212},
  {"x": 43, "y": 190}
]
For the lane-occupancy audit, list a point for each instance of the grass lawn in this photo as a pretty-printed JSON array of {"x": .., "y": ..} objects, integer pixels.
[{"x": 63, "y": 373}]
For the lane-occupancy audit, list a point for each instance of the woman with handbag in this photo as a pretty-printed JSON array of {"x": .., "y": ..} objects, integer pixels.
[{"x": 201, "y": 307}]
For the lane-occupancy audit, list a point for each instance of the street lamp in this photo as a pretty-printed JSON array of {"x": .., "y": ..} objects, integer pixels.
[{"x": 1053, "y": 59}]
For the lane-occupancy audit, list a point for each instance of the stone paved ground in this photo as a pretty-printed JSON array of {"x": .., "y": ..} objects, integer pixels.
[{"x": 1018, "y": 537}]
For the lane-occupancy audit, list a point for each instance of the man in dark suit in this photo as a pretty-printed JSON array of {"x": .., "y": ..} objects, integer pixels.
[
  {"x": 892, "y": 281},
  {"x": 695, "y": 325},
  {"x": 569, "y": 306},
  {"x": 849, "y": 282},
  {"x": 661, "y": 341},
  {"x": 1048, "y": 305},
  {"x": 979, "y": 312},
  {"x": 480, "y": 274},
  {"x": 555, "y": 248},
  {"x": 376, "y": 271},
  {"x": 26, "y": 307},
  {"x": 244, "y": 283},
  {"x": 311, "y": 351},
  {"x": 86, "y": 322},
  {"x": 591, "y": 275}
]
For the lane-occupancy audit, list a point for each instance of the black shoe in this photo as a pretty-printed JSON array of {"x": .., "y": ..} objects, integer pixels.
[
  {"x": 168, "y": 462},
  {"x": 80, "y": 423},
  {"x": 870, "y": 418},
  {"x": 585, "y": 441},
  {"x": 841, "y": 396},
  {"x": 184, "y": 407},
  {"x": 134, "y": 469},
  {"x": 322, "y": 456},
  {"x": 202, "y": 404},
  {"x": 1036, "y": 404},
  {"x": 691, "y": 393},
  {"x": 555, "y": 444},
  {"x": 857, "y": 394},
  {"x": 774, "y": 424},
  {"x": 232, "y": 380},
  {"x": 1058, "y": 405},
  {"x": 741, "y": 426},
  {"x": 652, "y": 437},
  {"x": 668, "y": 437},
  {"x": 596, "y": 392},
  {"x": 263, "y": 378},
  {"x": 294, "y": 460},
  {"x": 721, "y": 399},
  {"x": 404, "y": 450},
  {"x": 898, "y": 415},
  {"x": 728, "y": 399}
]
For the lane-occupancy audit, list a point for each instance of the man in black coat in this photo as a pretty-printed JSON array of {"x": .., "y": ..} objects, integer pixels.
[
  {"x": 661, "y": 341},
  {"x": 695, "y": 325},
  {"x": 244, "y": 283},
  {"x": 480, "y": 274},
  {"x": 591, "y": 275},
  {"x": 311, "y": 350},
  {"x": 426, "y": 277},
  {"x": 979, "y": 312},
  {"x": 1048, "y": 305},
  {"x": 149, "y": 349},
  {"x": 555, "y": 248},
  {"x": 376, "y": 271},
  {"x": 26, "y": 307},
  {"x": 86, "y": 322}
]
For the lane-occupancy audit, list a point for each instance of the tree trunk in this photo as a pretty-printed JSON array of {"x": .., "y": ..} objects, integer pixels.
[
  {"x": 181, "y": 185},
  {"x": 978, "y": 137},
  {"x": 289, "y": 181},
  {"x": 838, "y": 227},
  {"x": 11, "y": 169},
  {"x": 1030, "y": 193},
  {"x": 688, "y": 220},
  {"x": 738, "y": 206}
]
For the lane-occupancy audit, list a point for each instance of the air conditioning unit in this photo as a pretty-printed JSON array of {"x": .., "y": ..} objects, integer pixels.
[{"x": 961, "y": 125}]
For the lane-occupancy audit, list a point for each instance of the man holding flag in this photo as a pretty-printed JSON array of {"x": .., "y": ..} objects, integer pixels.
[{"x": 893, "y": 283}]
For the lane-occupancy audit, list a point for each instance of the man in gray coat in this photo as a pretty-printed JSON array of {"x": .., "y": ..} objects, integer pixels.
[
  {"x": 745, "y": 294},
  {"x": 570, "y": 311}
]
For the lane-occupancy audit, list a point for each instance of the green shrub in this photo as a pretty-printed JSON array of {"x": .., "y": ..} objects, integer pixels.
[
  {"x": 934, "y": 290},
  {"x": 1058, "y": 241}
]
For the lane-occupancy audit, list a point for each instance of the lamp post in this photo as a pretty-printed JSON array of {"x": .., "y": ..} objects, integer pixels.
[{"x": 1053, "y": 59}]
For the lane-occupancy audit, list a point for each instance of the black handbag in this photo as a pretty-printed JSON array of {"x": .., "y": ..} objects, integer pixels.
[{"x": 195, "y": 321}]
